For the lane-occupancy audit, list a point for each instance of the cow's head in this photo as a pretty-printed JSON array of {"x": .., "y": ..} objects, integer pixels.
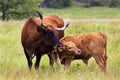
[
  {"x": 49, "y": 33},
  {"x": 69, "y": 48}
]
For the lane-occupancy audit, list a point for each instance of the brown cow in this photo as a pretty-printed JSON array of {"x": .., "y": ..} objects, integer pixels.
[
  {"x": 40, "y": 36},
  {"x": 90, "y": 45}
]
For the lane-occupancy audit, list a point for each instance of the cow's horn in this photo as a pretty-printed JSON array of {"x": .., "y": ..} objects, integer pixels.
[
  {"x": 63, "y": 28},
  {"x": 41, "y": 18}
]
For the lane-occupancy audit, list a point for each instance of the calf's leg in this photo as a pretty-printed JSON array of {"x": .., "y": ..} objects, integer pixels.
[
  {"x": 67, "y": 62},
  {"x": 85, "y": 61},
  {"x": 53, "y": 58},
  {"x": 101, "y": 62}
]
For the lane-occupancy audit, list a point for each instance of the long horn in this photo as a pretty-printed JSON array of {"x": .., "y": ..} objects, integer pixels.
[
  {"x": 63, "y": 28},
  {"x": 41, "y": 18}
]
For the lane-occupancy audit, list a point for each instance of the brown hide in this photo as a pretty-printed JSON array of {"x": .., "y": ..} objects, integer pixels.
[{"x": 91, "y": 45}]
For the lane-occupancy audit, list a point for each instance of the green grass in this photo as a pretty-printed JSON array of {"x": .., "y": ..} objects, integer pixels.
[
  {"x": 87, "y": 13},
  {"x": 13, "y": 63}
]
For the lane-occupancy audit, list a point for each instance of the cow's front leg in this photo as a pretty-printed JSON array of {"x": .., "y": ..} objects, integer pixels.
[
  {"x": 28, "y": 59},
  {"x": 38, "y": 58}
]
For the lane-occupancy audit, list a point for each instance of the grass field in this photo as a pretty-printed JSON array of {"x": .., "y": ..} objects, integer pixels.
[
  {"x": 87, "y": 13},
  {"x": 13, "y": 64}
]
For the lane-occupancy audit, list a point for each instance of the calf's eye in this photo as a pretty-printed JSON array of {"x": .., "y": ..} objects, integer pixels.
[{"x": 70, "y": 48}]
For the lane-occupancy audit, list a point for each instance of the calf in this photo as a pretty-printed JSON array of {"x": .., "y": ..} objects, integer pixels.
[{"x": 90, "y": 45}]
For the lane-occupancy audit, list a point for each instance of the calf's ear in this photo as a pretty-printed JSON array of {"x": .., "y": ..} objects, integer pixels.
[{"x": 60, "y": 49}]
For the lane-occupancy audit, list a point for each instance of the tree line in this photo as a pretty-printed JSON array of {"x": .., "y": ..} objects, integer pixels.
[
  {"x": 19, "y": 9},
  {"x": 79, "y": 3},
  {"x": 107, "y": 3}
]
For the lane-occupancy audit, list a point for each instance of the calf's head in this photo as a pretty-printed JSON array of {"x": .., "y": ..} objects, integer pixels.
[{"x": 69, "y": 48}]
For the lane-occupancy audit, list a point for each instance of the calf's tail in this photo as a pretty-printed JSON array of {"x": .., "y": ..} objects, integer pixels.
[{"x": 105, "y": 46}]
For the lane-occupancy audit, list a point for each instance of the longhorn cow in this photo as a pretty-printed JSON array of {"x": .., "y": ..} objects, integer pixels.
[{"x": 40, "y": 35}]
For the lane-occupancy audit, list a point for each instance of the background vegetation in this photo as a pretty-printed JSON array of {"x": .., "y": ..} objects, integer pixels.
[
  {"x": 13, "y": 63},
  {"x": 55, "y": 3},
  {"x": 20, "y": 9}
]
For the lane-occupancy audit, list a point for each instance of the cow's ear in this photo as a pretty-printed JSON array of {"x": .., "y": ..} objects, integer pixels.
[
  {"x": 60, "y": 49},
  {"x": 40, "y": 30}
]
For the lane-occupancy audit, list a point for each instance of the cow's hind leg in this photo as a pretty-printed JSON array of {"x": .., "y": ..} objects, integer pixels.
[
  {"x": 28, "y": 59},
  {"x": 38, "y": 58}
]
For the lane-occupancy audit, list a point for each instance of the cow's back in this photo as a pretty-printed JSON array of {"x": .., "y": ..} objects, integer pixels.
[{"x": 54, "y": 20}]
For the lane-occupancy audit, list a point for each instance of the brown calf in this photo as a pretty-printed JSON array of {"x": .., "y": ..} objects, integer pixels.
[{"x": 90, "y": 45}]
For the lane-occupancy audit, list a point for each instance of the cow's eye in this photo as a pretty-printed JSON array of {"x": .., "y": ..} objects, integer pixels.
[{"x": 70, "y": 48}]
